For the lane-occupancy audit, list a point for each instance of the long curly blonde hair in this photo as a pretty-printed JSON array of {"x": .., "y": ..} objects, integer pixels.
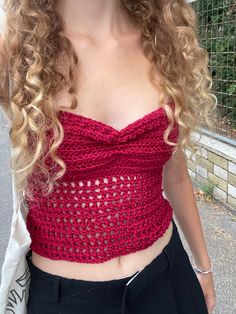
[{"x": 30, "y": 59}]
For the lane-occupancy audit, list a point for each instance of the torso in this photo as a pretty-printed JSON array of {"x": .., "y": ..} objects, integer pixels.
[{"x": 113, "y": 88}]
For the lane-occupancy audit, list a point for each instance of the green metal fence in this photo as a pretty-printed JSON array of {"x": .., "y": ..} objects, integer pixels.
[{"x": 217, "y": 33}]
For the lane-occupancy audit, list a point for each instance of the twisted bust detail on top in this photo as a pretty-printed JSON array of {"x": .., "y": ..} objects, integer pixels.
[{"x": 109, "y": 202}]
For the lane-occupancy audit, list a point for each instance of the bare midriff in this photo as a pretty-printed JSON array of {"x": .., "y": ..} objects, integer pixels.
[
  {"x": 119, "y": 70},
  {"x": 116, "y": 268}
]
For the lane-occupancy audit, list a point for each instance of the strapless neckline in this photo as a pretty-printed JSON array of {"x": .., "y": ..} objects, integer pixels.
[{"x": 103, "y": 125}]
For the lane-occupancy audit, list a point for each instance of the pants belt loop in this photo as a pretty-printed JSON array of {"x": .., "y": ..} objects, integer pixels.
[
  {"x": 170, "y": 255},
  {"x": 123, "y": 305},
  {"x": 56, "y": 289}
]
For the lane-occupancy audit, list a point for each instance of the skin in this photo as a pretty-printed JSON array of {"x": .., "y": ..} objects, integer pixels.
[{"x": 111, "y": 59}]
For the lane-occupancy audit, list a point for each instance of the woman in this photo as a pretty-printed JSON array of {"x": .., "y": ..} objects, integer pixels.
[{"x": 95, "y": 84}]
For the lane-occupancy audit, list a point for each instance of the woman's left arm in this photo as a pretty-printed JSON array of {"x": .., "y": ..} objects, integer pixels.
[{"x": 178, "y": 189}]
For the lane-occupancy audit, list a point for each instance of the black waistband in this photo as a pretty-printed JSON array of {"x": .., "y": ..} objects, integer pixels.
[{"x": 54, "y": 287}]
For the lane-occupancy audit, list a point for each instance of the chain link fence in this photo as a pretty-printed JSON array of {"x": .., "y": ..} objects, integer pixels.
[{"x": 217, "y": 33}]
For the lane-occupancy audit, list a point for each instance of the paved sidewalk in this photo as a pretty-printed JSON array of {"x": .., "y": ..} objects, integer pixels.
[
  {"x": 5, "y": 187},
  {"x": 219, "y": 227}
]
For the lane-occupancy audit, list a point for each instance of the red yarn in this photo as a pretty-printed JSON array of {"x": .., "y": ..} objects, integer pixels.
[{"x": 109, "y": 202}]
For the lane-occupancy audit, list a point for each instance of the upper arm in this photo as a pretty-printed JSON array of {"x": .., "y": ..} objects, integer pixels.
[
  {"x": 3, "y": 70},
  {"x": 175, "y": 170},
  {"x": 4, "y": 79}
]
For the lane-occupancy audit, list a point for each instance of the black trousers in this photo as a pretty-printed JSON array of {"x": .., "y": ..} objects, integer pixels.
[{"x": 168, "y": 285}]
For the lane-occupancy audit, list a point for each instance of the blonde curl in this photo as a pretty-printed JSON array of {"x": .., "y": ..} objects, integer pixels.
[{"x": 29, "y": 54}]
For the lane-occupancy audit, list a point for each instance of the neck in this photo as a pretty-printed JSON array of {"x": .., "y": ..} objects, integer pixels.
[{"x": 94, "y": 17}]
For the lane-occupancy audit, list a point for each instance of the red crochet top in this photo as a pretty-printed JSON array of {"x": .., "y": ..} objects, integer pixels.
[{"x": 109, "y": 202}]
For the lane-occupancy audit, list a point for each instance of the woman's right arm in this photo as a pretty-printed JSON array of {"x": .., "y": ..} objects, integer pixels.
[{"x": 4, "y": 79}]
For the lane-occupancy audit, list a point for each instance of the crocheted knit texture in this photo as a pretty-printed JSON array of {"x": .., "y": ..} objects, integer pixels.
[{"x": 109, "y": 202}]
